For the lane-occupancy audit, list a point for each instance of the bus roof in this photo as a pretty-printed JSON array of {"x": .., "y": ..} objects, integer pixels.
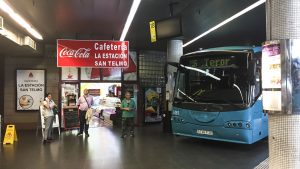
[{"x": 228, "y": 48}]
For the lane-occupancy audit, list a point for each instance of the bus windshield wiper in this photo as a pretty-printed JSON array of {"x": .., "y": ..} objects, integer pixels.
[
  {"x": 201, "y": 71},
  {"x": 186, "y": 95}
]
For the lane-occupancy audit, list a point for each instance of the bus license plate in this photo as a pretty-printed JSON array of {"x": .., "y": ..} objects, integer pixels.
[{"x": 205, "y": 132}]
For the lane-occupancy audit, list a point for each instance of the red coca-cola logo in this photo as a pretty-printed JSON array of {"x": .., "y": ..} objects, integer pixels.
[{"x": 71, "y": 53}]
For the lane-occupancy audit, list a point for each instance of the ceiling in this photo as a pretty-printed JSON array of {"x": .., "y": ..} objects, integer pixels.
[{"x": 104, "y": 20}]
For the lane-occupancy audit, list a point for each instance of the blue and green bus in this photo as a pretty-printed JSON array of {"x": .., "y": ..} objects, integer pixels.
[{"x": 217, "y": 95}]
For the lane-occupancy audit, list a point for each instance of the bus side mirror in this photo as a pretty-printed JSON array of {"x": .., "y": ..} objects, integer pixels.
[{"x": 252, "y": 72}]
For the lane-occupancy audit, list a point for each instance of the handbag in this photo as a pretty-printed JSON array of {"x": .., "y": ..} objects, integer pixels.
[
  {"x": 89, "y": 112},
  {"x": 55, "y": 110}
]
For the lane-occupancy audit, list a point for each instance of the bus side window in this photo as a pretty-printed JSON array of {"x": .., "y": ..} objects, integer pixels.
[
  {"x": 258, "y": 86},
  {"x": 257, "y": 91}
]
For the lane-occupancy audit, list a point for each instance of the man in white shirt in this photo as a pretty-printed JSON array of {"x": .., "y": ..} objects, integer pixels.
[{"x": 84, "y": 103}]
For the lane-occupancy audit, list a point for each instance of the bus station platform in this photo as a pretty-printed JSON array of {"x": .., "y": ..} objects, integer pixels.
[{"x": 150, "y": 148}]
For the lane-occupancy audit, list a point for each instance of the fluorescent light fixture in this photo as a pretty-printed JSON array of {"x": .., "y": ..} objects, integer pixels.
[
  {"x": 29, "y": 42},
  {"x": 130, "y": 17},
  {"x": 249, "y": 8},
  {"x": 16, "y": 17}
]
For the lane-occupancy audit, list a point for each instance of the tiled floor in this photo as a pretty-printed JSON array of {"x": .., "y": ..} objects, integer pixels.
[
  {"x": 263, "y": 165},
  {"x": 150, "y": 149}
]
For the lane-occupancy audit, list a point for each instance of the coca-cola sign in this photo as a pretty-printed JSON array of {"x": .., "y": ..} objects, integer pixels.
[{"x": 92, "y": 53}]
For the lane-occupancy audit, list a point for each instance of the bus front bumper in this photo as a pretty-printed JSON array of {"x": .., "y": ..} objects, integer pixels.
[{"x": 219, "y": 133}]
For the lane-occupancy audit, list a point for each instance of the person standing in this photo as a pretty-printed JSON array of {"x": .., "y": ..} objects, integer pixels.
[
  {"x": 48, "y": 105},
  {"x": 84, "y": 103},
  {"x": 128, "y": 115}
]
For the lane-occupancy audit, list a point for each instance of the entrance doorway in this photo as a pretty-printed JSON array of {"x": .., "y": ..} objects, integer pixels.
[{"x": 106, "y": 99}]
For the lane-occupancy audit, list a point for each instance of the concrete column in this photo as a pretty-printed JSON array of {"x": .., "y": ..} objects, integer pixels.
[
  {"x": 174, "y": 52},
  {"x": 283, "y": 22}
]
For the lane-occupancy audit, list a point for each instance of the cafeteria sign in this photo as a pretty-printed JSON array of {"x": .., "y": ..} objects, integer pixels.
[
  {"x": 92, "y": 53},
  {"x": 30, "y": 89}
]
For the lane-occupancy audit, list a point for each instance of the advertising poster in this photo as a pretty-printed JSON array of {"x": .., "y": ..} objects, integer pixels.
[
  {"x": 30, "y": 89},
  {"x": 89, "y": 73},
  {"x": 271, "y": 77},
  {"x": 152, "y": 105},
  {"x": 69, "y": 73},
  {"x": 92, "y": 53},
  {"x": 271, "y": 70},
  {"x": 130, "y": 73},
  {"x": 112, "y": 74},
  {"x": 272, "y": 100}
]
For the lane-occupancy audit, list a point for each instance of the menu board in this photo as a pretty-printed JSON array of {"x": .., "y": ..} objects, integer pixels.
[
  {"x": 71, "y": 118},
  {"x": 271, "y": 77},
  {"x": 30, "y": 89}
]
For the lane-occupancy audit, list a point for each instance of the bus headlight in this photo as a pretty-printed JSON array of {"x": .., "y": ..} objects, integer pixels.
[{"x": 237, "y": 124}]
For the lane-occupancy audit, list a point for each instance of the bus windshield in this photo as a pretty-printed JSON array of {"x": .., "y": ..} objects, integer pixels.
[{"x": 213, "y": 77}]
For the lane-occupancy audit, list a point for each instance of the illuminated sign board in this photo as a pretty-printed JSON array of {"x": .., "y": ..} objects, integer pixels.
[
  {"x": 271, "y": 77},
  {"x": 215, "y": 62},
  {"x": 92, "y": 53},
  {"x": 152, "y": 31}
]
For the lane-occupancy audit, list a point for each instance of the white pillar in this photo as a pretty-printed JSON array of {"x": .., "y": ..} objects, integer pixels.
[
  {"x": 174, "y": 52},
  {"x": 283, "y": 22}
]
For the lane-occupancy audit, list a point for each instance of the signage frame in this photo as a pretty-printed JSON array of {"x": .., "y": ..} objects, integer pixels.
[
  {"x": 92, "y": 59},
  {"x": 44, "y": 72},
  {"x": 178, "y": 35}
]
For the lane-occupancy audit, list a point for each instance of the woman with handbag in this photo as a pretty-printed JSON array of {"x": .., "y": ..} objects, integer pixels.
[{"x": 48, "y": 105}]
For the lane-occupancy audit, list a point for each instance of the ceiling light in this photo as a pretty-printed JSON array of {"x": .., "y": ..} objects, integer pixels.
[
  {"x": 256, "y": 4},
  {"x": 130, "y": 17},
  {"x": 16, "y": 17}
]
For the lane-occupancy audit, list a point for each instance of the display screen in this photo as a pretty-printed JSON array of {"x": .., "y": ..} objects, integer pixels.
[{"x": 168, "y": 28}]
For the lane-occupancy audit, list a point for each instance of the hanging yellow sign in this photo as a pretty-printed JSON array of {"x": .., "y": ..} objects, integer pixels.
[
  {"x": 152, "y": 31},
  {"x": 10, "y": 135}
]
